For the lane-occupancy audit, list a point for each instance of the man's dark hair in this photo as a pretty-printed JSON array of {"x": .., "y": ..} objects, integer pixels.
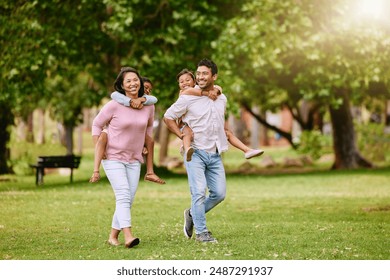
[
  {"x": 210, "y": 64},
  {"x": 119, "y": 81}
]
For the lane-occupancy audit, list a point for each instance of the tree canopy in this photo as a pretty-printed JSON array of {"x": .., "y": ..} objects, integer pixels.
[
  {"x": 65, "y": 55},
  {"x": 287, "y": 52}
]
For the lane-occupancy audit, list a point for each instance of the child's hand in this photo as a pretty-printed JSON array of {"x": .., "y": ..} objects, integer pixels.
[
  {"x": 136, "y": 103},
  {"x": 218, "y": 88},
  {"x": 213, "y": 94},
  {"x": 145, "y": 151}
]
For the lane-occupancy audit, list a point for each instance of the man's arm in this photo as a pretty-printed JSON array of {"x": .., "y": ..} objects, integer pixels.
[
  {"x": 173, "y": 127},
  {"x": 127, "y": 101},
  {"x": 174, "y": 113}
]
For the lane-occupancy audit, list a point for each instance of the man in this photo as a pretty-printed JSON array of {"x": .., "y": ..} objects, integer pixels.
[{"x": 206, "y": 118}]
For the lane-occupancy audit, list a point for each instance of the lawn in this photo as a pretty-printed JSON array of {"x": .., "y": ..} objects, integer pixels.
[{"x": 313, "y": 215}]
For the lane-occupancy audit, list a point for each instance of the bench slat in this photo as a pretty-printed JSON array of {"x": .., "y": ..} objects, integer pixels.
[{"x": 69, "y": 161}]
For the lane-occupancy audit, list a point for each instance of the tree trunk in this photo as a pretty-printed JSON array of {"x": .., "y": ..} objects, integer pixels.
[
  {"x": 6, "y": 120},
  {"x": 255, "y": 129},
  {"x": 164, "y": 142},
  {"x": 346, "y": 153},
  {"x": 264, "y": 139},
  {"x": 69, "y": 139},
  {"x": 30, "y": 128},
  {"x": 40, "y": 139}
]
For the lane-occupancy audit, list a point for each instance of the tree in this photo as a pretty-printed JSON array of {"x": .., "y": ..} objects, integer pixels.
[
  {"x": 288, "y": 52},
  {"x": 64, "y": 55},
  {"x": 160, "y": 38},
  {"x": 48, "y": 46}
]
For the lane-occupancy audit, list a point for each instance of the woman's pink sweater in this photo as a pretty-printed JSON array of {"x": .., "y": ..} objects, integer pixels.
[{"x": 127, "y": 128}]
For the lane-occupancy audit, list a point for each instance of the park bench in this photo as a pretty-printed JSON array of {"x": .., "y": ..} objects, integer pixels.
[{"x": 69, "y": 161}]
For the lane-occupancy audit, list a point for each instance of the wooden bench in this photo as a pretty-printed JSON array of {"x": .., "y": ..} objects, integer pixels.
[{"x": 69, "y": 161}]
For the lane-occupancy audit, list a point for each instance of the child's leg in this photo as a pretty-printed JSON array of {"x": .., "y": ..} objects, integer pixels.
[
  {"x": 187, "y": 139},
  {"x": 150, "y": 175},
  {"x": 249, "y": 153},
  {"x": 100, "y": 149}
]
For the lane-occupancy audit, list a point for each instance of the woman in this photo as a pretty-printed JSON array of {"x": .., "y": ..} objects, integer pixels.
[
  {"x": 100, "y": 146},
  {"x": 127, "y": 130}
]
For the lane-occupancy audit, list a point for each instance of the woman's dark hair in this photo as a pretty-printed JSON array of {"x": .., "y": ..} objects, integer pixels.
[
  {"x": 185, "y": 71},
  {"x": 119, "y": 81}
]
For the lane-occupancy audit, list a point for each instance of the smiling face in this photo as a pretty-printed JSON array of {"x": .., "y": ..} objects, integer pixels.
[
  {"x": 148, "y": 88},
  {"x": 186, "y": 81},
  {"x": 131, "y": 84},
  {"x": 204, "y": 77}
]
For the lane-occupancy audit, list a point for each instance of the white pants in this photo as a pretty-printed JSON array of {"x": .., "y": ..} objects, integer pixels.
[{"x": 124, "y": 179}]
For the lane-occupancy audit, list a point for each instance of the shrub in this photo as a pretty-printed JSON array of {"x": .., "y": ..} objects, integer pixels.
[{"x": 314, "y": 144}]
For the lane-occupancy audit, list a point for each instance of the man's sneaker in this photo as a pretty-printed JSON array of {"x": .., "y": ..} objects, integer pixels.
[
  {"x": 206, "y": 237},
  {"x": 253, "y": 153},
  {"x": 188, "y": 224}
]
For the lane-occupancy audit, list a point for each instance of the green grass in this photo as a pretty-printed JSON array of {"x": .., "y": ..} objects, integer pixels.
[{"x": 322, "y": 215}]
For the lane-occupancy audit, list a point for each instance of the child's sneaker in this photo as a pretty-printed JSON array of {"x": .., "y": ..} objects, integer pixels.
[
  {"x": 189, "y": 153},
  {"x": 253, "y": 153}
]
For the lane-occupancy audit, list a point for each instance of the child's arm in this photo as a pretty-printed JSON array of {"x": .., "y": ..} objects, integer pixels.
[
  {"x": 127, "y": 101},
  {"x": 213, "y": 94}
]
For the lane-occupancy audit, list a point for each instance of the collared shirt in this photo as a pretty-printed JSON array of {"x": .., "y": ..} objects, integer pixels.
[{"x": 205, "y": 117}]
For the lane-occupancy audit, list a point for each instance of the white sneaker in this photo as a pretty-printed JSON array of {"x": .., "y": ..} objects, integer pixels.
[{"x": 253, "y": 153}]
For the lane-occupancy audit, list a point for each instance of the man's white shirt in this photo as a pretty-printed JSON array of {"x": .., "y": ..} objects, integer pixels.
[{"x": 205, "y": 117}]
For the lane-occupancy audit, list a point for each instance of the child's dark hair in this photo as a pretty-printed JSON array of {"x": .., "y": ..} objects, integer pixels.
[
  {"x": 185, "y": 71},
  {"x": 147, "y": 80}
]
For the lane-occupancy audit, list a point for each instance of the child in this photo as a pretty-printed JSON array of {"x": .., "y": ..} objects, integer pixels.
[
  {"x": 186, "y": 80},
  {"x": 100, "y": 146}
]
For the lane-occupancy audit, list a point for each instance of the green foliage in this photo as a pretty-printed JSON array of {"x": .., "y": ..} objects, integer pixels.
[
  {"x": 286, "y": 51},
  {"x": 373, "y": 141},
  {"x": 24, "y": 153},
  {"x": 315, "y": 144}
]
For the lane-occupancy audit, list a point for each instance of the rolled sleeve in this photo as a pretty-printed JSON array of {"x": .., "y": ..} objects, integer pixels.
[
  {"x": 177, "y": 109},
  {"x": 102, "y": 119},
  {"x": 150, "y": 99}
]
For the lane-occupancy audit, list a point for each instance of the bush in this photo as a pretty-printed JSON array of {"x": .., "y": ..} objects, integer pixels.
[
  {"x": 372, "y": 142},
  {"x": 314, "y": 144},
  {"x": 23, "y": 154}
]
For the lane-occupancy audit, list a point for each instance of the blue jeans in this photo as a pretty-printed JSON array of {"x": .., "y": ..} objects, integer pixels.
[
  {"x": 124, "y": 178},
  {"x": 205, "y": 171}
]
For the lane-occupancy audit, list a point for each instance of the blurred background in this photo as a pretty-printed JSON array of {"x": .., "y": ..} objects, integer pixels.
[{"x": 306, "y": 78}]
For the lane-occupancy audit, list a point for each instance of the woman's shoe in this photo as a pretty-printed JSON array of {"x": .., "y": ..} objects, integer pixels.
[
  {"x": 132, "y": 243},
  {"x": 113, "y": 242}
]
